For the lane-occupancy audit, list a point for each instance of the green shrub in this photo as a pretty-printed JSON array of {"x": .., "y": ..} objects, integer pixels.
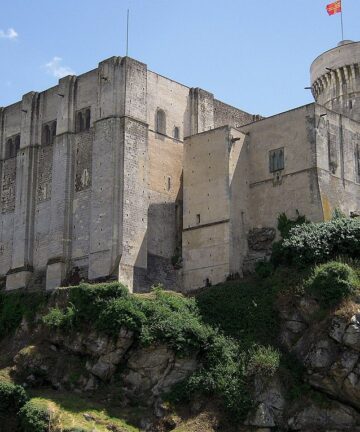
[
  {"x": 316, "y": 243},
  {"x": 14, "y": 306},
  {"x": 264, "y": 269},
  {"x": 242, "y": 310},
  {"x": 263, "y": 361},
  {"x": 56, "y": 318},
  {"x": 332, "y": 282},
  {"x": 122, "y": 312},
  {"x": 34, "y": 417},
  {"x": 285, "y": 224},
  {"x": 223, "y": 375},
  {"x": 338, "y": 214},
  {"x": 174, "y": 320},
  {"x": 12, "y": 397},
  {"x": 89, "y": 300}
]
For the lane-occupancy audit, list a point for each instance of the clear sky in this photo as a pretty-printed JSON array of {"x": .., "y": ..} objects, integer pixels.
[{"x": 252, "y": 54}]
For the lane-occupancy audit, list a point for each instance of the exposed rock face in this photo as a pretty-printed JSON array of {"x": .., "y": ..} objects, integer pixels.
[
  {"x": 335, "y": 417},
  {"x": 154, "y": 370},
  {"x": 260, "y": 239},
  {"x": 329, "y": 350},
  {"x": 83, "y": 361}
]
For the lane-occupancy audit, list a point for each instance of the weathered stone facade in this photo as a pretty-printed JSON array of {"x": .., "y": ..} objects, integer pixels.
[{"x": 121, "y": 173}]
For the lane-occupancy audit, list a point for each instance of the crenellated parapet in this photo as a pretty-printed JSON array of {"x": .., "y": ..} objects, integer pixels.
[{"x": 335, "y": 79}]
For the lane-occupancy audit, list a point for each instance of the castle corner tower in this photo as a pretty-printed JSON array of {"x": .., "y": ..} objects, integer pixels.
[{"x": 335, "y": 79}]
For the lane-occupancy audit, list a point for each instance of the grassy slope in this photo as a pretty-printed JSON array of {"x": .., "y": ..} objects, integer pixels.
[{"x": 72, "y": 407}]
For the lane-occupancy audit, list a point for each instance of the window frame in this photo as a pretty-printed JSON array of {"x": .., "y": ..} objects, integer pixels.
[{"x": 275, "y": 162}]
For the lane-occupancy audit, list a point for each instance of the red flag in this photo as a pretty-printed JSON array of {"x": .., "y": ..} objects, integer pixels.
[{"x": 334, "y": 8}]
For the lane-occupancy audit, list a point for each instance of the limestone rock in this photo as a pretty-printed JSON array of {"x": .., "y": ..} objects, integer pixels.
[
  {"x": 321, "y": 355},
  {"x": 263, "y": 417},
  {"x": 335, "y": 417},
  {"x": 337, "y": 330},
  {"x": 153, "y": 370},
  {"x": 352, "y": 336},
  {"x": 260, "y": 239}
]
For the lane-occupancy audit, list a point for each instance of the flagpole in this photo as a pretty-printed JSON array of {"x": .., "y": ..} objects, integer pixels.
[
  {"x": 342, "y": 23},
  {"x": 127, "y": 34}
]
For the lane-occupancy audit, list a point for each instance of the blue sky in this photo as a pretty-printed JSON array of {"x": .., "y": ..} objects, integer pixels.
[{"x": 252, "y": 54}]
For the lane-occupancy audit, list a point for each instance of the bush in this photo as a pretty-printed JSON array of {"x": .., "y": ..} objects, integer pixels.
[
  {"x": 35, "y": 416},
  {"x": 12, "y": 397},
  {"x": 14, "y": 306},
  {"x": 223, "y": 375},
  {"x": 263, "y": 361},
  {"x": 264, "y": 269},
  {"x": 316, "y": 243},
  {"x": 123, "y": 312},
  {"x": 285, "y": 224},
  {"x": 56, "y": 318},
  {"x": 332, "y": 282},
  {"x": 89, "y": 300}
]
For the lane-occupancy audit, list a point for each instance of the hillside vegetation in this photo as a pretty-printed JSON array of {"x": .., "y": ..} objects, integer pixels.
[{"x": 95, "y": 357}]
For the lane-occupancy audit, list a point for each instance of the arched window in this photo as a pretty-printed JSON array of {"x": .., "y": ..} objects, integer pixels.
[
  {"x": 8, "y": 148},
  {"x": 176, "y": 132},
  {"x": 53, "y": 132},
  {"x": 17, "y": 144},
  {"x": 160, "y": 122},
  {"x": 87, "y": 119},
  {"x": 80, "y": 122}
]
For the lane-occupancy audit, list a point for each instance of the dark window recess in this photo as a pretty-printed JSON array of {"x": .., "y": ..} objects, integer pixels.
[
  {"x": 12, "y": 146},
  {"x": 160, "y": 121},
  {"x": 83, "y": 120},
  {"x": 176, "y": 132},
  {"x": 87, "y": 119},
  {"x": 48, "y": 133},
  {"x": 276, "y": 160},
  {"x": 198, "y": 219}
]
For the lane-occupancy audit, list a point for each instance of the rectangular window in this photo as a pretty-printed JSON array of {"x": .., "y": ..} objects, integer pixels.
[
  {"x": 276, "y": 159},
  {"x": 197, "y": 219}
]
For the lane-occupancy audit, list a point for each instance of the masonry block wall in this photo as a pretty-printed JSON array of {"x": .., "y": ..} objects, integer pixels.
[{"x": 91, "y": 182}]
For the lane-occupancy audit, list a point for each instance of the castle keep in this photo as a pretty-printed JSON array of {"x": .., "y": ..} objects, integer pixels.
[{"x": 122, "y": 173}]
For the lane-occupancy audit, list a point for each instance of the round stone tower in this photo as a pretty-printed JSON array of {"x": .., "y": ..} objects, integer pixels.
[{"x": 335, "y": 79}]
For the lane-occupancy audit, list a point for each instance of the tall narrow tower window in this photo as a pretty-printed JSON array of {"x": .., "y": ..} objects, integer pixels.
[
  {"x": 87, "y": 119},
  {"x": 160, "y": 122},
  {"x": 17, "y": 144},
  {"x": 46, "y": 136},
  {"x": 176, "y": 132},
  {"x": 79, "y": 122}
]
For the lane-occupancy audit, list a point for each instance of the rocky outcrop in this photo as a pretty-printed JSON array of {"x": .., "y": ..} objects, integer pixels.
[
  {"x": 84, "y": 361},
  {"x": 260, "y": 242}
]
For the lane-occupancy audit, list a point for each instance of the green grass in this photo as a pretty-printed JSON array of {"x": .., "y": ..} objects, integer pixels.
[{"x": 71, "y": 408}]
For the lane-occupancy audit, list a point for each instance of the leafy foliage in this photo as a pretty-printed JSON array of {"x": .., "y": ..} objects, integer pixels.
[
  {"x": 57, "y": 318},
  {"x": 12, "y": 397},
  {"x": 285, "y": 224},
  {"x": 332, "y": 282},
  {"x": 264, "y": 361},
  {"x": 320, "y": 242},
  {"x": 224, "y": 374},
  {"x": 243, "y": 310},
  {"x": 264, "y": 269},
  {"x": 14, "y": 306},
  {"x": 34, "y": 417}
]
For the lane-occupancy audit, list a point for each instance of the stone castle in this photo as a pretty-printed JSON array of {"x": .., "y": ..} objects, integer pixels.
[{"x": 121, "y": 173}]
